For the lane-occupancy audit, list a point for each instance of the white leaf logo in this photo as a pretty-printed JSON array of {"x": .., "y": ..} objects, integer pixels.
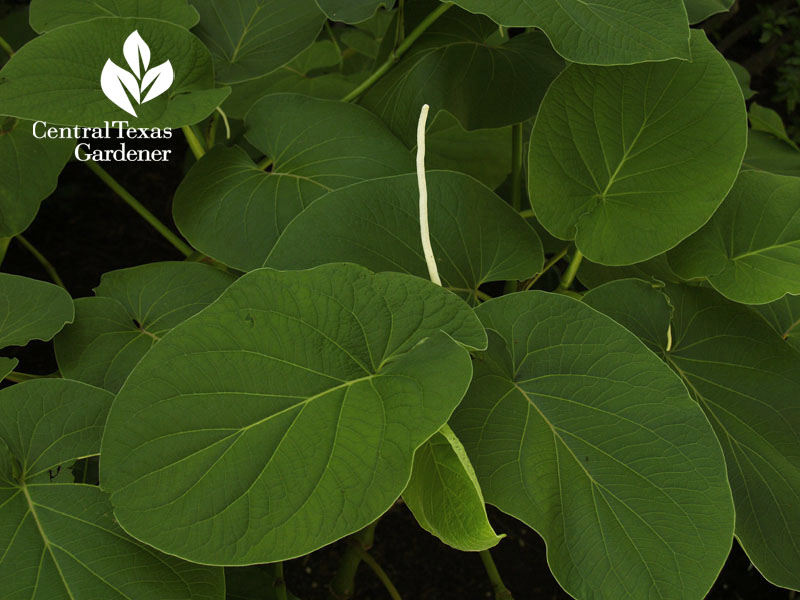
[{"x": 120, "y": 85}]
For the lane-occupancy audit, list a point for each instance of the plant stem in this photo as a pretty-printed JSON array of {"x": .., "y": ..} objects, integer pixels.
[
  {"x": 195, "y": 144},
  {"x": 265, "y": 163},
  {"x": 329, "y": 31},
  {"x": 500, "y": 590},
  {"x": 280, "y": 584},
  {"x": 211, "y": 132},
  {"x": 51, "y": 270},
  {"x": 517, "y": 178},
  {"x": 112, "y": 183},
  {"x": 18, "y": 377},
  {"x": 547, "y": 266},
  {"x": 379, "y": 572},
  {"x": 526, "y": 214},
  {"x": 572, "y": 270},
  {"x": 225, "y": 121},
  {"x": 397, "y": 54},
  {"x": 6, "y": 46},
  {"x": 343, "y": 584}
]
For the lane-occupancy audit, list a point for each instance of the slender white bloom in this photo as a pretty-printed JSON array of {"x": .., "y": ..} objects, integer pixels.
[{"x": 427, "y": 249}]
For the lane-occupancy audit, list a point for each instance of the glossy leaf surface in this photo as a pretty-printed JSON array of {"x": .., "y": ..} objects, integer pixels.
[
  {"x": 233, "y": 211},
  {"x": 580, "y": 431},
  {"x": 288, "y": 412},
  {"x": 49, "y": 14},
  {"x": 747, "y": 381},
  {"x": 59, "y": 541},
  {"x": 249, "y": 38},
  {"x": 500, "y": 82},
  {"x": 628, "y": 161},
  {"x": 476, "y": 236},
  {"x": 57, "y": 76},
  {"x": 605, "y": 32},
  {"x": 445, "y": 497},
  {"x": 132, "y": 310},
  {"x": 750, "y": 249}
]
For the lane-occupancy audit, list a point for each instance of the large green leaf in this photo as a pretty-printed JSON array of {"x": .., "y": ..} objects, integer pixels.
[
  {"x": 56, "y": 77},
  {"x": 29, "y": 170},
  {"x": 476, "y": 236},
  {"x": 750, "y": 249},
  {"x": 461, "y": 66},
  {"x": 31, "y": 310},
  {"x": 747, "y": 380},
  {"x": 604, "y": 32},
  {"x": 49, "y": 14},
  {"x": 784, "y": 317},
  {"x": 307, "y": 75},
  {"x": 59, "y": 541},
  {"x": 640, "y": 306},
  {"x": 286, "y": 414},
  {"x": 233, "y": 211},
  {"x": 765, "y": 152},
  {"x": 445, "y": 497},
  {"x": 655, "y": 270},
  {"x": 250, "y": 38},
  {"x": 132, "y": 310},
  {"x": 485, "y": 153},
  {"x": 700, "y": 10},
  {"x": 352, "y": 11},
  {"x": 629, "y": 161},
  {"x": 577, "y": 429}
]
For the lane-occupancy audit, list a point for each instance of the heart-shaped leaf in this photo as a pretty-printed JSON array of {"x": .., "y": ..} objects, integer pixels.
[
  {"x": 59, "y": 540},
  {"x": 747, "y": 380},
  {"x": 629, "y": 161},
  {"x": 233, "y": 211},
  {"x": 499, "y": 81},
  {"x": 580, "y": 431},
  {"x": 31, "y": 310},
  {"x": 604, "y": 32},
  {"x": 750, "y": 249},
  {"x": 354, "y": 372},
  {"x": 132, "y": 310},
  {"x": 476, "y": 236},
  {"x": 29, "y": 169},
  {"x": 60, "y": 77},
  {"x": 49, "y": 14},
  {"x": 444, "y": 495},
  {"x": 250, "y": 38}
]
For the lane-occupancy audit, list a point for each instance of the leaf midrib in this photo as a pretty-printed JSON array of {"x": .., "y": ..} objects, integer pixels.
[{"x": 45, "y": 539}]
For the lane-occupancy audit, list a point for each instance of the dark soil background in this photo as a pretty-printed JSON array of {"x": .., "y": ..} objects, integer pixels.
[{"x": 86, "y": 231}]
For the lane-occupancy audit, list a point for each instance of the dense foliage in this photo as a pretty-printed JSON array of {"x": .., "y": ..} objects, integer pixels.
[{"x": 603, "y": 339}]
